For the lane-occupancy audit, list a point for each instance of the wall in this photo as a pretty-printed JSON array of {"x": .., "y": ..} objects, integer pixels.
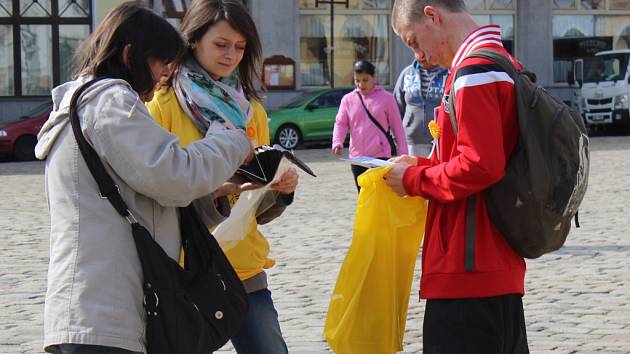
[
  {"x": 279, "y": 30},
  {"x": 101, "y": 8},
  {"x": 401, "y": 57},
  {"x": 534, "y": 38}
]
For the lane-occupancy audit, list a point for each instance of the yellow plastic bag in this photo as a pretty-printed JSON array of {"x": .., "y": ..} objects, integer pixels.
[{"x": 368, "y": 308}]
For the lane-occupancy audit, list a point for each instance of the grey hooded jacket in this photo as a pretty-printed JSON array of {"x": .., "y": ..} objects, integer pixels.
[
  {"x": 417, "y": 111},
  {"x": 94, "y": 293}
]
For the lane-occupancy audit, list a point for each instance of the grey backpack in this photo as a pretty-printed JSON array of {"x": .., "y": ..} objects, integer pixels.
[{"x": 546, "y": 176}]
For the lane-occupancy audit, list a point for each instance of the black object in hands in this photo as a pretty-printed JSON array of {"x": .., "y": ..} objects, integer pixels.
[{"x": 262, "y": 168}]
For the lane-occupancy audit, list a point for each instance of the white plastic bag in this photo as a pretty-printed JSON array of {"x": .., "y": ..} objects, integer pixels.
[{"x": 243, "y": 213}]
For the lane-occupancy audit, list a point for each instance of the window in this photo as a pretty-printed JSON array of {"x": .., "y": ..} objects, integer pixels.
[
  {"x": 331, "y": 99},
  {"x": 174, "y": 10},
  {"x": 582, "y": 28},
  {"x": 36, "y": 52},
  {"x": 564, "y": 4},
  {"x": 6, "y": 60},
  {"x": 70, "y": 38},
  {"x": 38, "y": 39},
  {"x": 361, "y": 31},
  {"x": 499, "y": 12}
]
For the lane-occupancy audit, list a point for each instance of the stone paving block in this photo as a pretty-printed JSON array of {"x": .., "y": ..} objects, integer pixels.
[{"x": 576, "y": 298}]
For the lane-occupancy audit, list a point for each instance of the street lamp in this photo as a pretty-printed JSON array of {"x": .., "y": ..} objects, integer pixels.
[{"x": 331, "y": 49}]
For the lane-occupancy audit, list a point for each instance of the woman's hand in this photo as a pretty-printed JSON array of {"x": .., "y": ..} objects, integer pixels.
[
  {"x": 406, "y": 159},
  {"x": 337, "y": 149},
  {"x": 234, "y": 185},
  {"x": 287, "y": 183}
]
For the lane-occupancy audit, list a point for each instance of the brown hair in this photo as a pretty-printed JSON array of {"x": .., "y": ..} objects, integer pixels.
[
  {"x": 150, "y": 36},
  {"x": 404, "y": 11},
  {"x": 203, "y": 14}
]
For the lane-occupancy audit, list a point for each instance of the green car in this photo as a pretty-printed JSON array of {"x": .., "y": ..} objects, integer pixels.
[{"x": 308, "y": 117}]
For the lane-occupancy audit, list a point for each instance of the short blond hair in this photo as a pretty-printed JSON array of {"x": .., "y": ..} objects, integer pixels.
[{"x": 406, "y": 11}]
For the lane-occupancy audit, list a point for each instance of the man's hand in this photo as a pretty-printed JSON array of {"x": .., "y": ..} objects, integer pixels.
[
  {"x": 394, "y": 178},
  {"x": 409, "y": 160},
  {"x": 337, "y": 149},
  {"x": 287, "y": 183}
]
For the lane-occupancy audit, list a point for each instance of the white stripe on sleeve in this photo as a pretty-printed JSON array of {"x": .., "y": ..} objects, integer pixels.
[{"x": 482, "y": 79}]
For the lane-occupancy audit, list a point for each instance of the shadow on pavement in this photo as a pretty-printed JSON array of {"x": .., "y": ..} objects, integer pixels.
[{"x": 590, "y": 250}]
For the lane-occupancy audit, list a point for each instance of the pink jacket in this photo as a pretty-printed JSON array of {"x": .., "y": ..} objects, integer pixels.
[{"x": 365, "y": 138}]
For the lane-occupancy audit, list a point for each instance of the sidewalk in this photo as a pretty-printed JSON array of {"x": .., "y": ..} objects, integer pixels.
[{"x": 577, "y": 300}]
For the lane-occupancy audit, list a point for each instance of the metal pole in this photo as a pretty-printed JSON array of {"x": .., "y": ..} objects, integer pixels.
[
  {"x": 331, "y": 48},
  {"x": 332, "y": 44}
]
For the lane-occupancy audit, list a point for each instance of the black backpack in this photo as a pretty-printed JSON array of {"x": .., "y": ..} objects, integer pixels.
[
  {"x": 190, "y": 310},
  {"x": 546, "y": 176}
]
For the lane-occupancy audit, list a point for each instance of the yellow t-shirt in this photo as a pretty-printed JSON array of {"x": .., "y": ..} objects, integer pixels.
[{"x": 250, "y": 256}]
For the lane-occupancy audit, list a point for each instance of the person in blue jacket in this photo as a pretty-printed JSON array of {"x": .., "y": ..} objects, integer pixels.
[{"x": 418, "y": 91}]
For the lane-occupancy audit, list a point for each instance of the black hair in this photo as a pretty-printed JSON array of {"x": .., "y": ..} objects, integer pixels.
[
  {"x": 364, "y": 67},
  {"x": 149, "y": 35}
]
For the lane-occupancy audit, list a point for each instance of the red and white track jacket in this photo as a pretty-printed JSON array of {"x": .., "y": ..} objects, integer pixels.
[{"x": 470, "y": 163}]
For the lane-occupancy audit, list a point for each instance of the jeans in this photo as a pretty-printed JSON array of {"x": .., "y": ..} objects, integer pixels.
[
  {"x": 260, "y": 332},
  {"x": 91, "y": 349}
]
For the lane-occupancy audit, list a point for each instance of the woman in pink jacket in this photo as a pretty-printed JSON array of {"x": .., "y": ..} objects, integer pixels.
[{"x": 366, "y": 138}]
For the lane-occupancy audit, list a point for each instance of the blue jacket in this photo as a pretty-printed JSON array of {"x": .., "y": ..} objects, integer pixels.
[{"x": 415, "y": 110}]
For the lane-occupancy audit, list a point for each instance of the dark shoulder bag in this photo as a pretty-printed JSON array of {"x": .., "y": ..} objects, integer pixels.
[
  {"x": 190, "y": 310},
  {"x": 388, "y": 132}
]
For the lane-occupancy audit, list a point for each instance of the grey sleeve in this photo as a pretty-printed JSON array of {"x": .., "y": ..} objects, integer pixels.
[
  {"x": 273, "y": 205},
  {"x": 207, "y": 212},
  {"x": 399, "y": 94},
  {"x": 150, "y": 160}
]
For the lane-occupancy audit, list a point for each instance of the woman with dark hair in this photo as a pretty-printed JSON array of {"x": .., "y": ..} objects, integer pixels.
[
  {"x": 366, "y": 138},
  {"x": 94, "y": 297},
  {"x": 215, "y": 82}
]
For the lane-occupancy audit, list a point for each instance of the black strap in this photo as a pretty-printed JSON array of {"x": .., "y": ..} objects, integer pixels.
[
  {"x": 469, "y": 256},
  {"x": 507, "y": 65},
  {"x": 488, "y": 54},
  {"x": 577, "y": 219},
  {"x": 378, "y": 125},
  {"x": 108, "y": 189}
]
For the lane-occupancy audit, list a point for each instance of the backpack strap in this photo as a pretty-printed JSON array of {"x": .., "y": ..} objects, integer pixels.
[
  {"x": 471, "y": 209},
  {"x": 492, "y": 55},
  {"x": 469, "y": 247}
]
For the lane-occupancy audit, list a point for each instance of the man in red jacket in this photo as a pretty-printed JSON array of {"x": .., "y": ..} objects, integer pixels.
[{"x": 473, "y": 290}]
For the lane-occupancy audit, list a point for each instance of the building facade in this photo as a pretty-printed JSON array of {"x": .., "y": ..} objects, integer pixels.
[{"x": 38, "y": 38}]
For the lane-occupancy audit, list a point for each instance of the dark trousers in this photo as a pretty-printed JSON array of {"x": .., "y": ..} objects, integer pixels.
[
  {"x": 91, "y": 349},
  {"x": 358, "y": 170},
  {"x": 493, "y": 325}
]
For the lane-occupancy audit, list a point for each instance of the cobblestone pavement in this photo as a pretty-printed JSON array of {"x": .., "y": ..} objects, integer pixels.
[{"x": 577, "y": 301}]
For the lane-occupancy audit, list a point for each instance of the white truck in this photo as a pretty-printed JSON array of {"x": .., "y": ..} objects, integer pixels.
[{"x": 604, "y": 80}]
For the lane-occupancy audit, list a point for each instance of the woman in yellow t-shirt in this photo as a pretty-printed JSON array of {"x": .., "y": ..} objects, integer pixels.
[{"x": 222, "y": 40}]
